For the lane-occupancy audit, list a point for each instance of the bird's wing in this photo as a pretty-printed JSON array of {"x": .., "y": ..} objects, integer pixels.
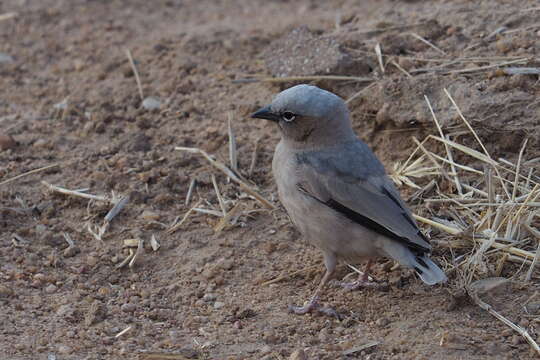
[{"x": 352, "y": 181}]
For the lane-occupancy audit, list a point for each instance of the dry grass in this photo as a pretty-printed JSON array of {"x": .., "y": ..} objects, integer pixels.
[{"x": 491, "y": 208}]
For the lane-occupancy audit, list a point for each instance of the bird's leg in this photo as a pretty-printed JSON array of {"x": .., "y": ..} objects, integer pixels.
[
  {"x": 313, "y": 304},
  {"x": 362, "y": 281}
]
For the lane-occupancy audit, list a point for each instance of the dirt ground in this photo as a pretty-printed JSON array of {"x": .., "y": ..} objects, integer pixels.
[{"x": 68, "y": 96}]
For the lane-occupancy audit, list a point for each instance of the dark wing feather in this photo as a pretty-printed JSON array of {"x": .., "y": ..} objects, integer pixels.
[{"x": 352, "y": 181}]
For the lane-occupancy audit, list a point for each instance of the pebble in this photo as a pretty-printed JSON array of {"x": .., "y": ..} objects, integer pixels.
[
  {"x": 151, "y": 103},
  {"x": 40, "y": 277},
  {"x": 6, "y": 58},
  {"x": 64, "y": 349},
  {"x": 71, "y": 251},
  {"x": 298, "y": 355},
  {"x": 7, "y": 142},
  {"x": 51, "y": 289},
  {"x": 150, "y": 215},
  {"x": 40, "y": 143},
  {"x": 5, "y": 291},
  {"x": 218, "y": 305},
  {"x": 128, "y": 308},
  {"x": 209, "y": 297}
]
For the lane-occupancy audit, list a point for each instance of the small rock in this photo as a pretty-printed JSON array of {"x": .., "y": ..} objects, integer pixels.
[
  {"x": 40, "y": 143},
  {"x": 5, "y": 291},
  {"x": 151, "y": 103},
  {"x": 6, "y": 59},
  {"x": 128, "y": 308},
  {"x": 298, "y": 355},
  {"x": 71, "y": 251},
  {"x": 92, "y": 261},
  {"x": 218, "y": 305},
  {"x": 516, "y": 340},
  {"x": 507, "y": 332},
  {"x": 51, "y": 289},
  {"x": 7, "y": 142},
  {"x": 150, "y": 215},
  {"x": 492, "y": 285},
  {"x": 209, "y": 297},
  {"x": 64, "y": 349},
  {"x": 40, "y": 277}
]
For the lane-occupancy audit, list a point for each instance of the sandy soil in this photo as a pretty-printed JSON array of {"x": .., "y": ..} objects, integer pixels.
[{"x": 68, "y": 96}]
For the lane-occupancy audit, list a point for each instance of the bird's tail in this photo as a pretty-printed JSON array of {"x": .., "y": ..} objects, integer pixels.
[{"x": 429, "y": 272}]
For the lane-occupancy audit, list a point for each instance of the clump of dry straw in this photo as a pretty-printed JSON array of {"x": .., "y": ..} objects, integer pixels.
[{"x": 491, "y": 210}]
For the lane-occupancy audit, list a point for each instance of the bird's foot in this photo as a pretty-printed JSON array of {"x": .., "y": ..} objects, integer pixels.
[{"x": 314, "y": 306}]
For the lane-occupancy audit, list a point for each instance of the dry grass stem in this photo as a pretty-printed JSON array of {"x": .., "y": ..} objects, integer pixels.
[
  {"x": 487, "y": 67},
  {"x": 191, "y": 187},
  {"x": 136, "y": 73},
  {"x": 360, "y": 92},
  {"x": 29, "y": 173},
  {"x": 7, "y": 16},
  {"x": 516, "y": 179},
  {"x": 177, "y": 226},
  {"x": 116, "y": 208},
  {"x": 68, "y": 239},
  {"x": 223, "y": 168},
  {"x": 233, "y": 157},
  {"x": 304, "y": 78},
  {"x": 138, "y": 252},
  {"x": 438, "y": 225},
  {"x": 126, "y": 260},
  {"x": 83, "y": 195},
  {"x": 154, "y": 243},
  {"x": 506, "y": 321},
  {"x": 122, "y": 332},
  {"x": 209, "y": 212},
  {"x": 226, "y": 219},
  {"x": 418, "y": 37},
  {"x": 400, "y": 68},
  {"x": 378, "y": 52},
  {"x": 448, "y": 152},
  {"x": 218, "y": 195},
  {"x": 289, "y": 275}
]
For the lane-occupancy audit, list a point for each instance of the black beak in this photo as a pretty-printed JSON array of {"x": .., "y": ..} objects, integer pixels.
[{"x": 265, "y": 113}]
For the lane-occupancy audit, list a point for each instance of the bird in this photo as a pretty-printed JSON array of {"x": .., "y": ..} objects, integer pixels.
[{"x": 337, "y": 192}]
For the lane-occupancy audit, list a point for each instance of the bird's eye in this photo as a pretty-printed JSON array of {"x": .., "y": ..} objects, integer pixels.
[{"x": 288, "y": 116}]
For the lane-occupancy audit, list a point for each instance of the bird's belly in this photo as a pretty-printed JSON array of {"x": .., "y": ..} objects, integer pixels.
[{"x": 330, "y": 231}]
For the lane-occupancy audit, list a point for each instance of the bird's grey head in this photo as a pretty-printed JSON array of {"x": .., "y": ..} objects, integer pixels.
[{"x": 309, "y": 116}]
